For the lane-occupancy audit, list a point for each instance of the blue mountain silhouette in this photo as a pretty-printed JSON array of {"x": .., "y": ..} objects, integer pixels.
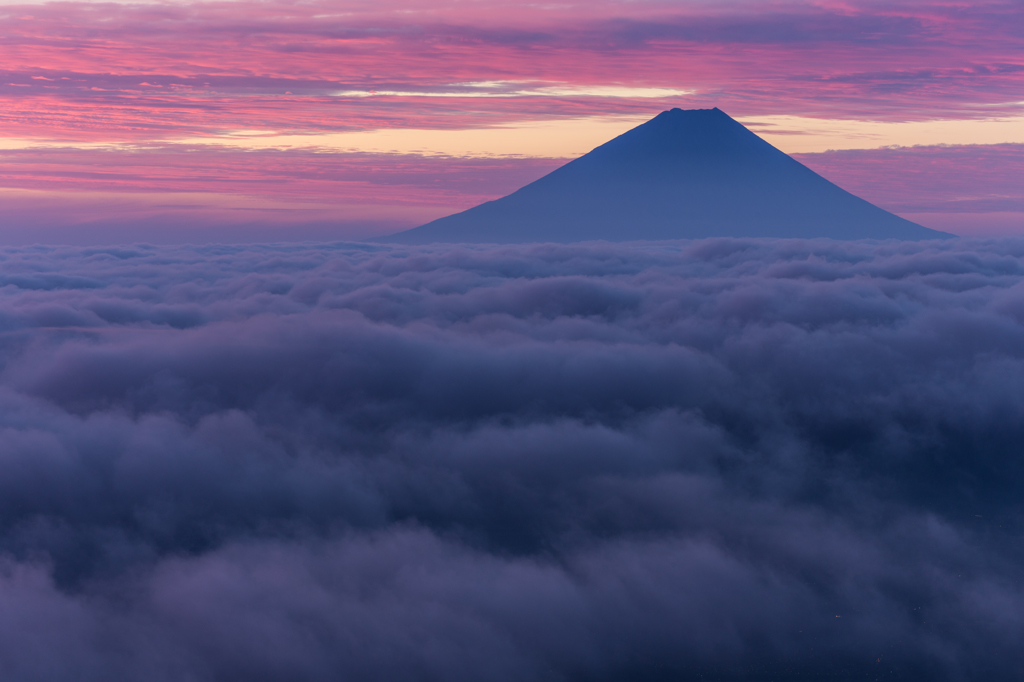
[{"x": 683, "y": 174}]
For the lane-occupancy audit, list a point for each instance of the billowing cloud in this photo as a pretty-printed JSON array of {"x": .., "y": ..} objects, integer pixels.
[{"x": 734, "y": 459}]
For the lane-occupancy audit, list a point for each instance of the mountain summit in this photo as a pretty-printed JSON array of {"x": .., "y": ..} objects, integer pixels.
[{"x": 682, "y": 175}]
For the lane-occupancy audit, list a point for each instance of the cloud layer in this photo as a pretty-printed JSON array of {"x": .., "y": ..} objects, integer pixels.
[
  {"x": 178, "y": 195},
  {"x": 733, "y": 459}
]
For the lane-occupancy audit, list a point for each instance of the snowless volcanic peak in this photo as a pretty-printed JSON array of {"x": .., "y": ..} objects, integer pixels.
[{"x": 683, "y": 174}]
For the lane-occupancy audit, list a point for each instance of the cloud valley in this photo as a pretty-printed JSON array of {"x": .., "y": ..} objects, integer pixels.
[{"x": 715, "y": 459}]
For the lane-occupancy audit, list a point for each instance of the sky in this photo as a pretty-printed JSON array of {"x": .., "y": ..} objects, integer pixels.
[
  {"x": 253, "y": 121},
  {"x": 282, "y": 453}
]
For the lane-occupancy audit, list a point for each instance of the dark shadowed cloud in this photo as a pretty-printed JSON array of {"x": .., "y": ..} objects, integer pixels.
[{"x": 720, "y": 459}]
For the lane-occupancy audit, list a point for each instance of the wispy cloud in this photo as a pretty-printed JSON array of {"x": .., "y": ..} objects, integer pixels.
[{"x": 516, "y": 89}]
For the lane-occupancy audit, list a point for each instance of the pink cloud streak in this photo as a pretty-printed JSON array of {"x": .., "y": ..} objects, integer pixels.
[{"x": 293, "y": 175}]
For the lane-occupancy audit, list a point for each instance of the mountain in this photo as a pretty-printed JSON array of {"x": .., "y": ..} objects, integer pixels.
[{"x": 683, "y": 174}]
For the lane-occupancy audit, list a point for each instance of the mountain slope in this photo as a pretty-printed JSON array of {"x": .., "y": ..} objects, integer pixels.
[{"x": 683, "y": 174}]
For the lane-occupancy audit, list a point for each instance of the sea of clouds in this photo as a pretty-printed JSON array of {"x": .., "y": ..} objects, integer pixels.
[{"x": 719, "y": 459}]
